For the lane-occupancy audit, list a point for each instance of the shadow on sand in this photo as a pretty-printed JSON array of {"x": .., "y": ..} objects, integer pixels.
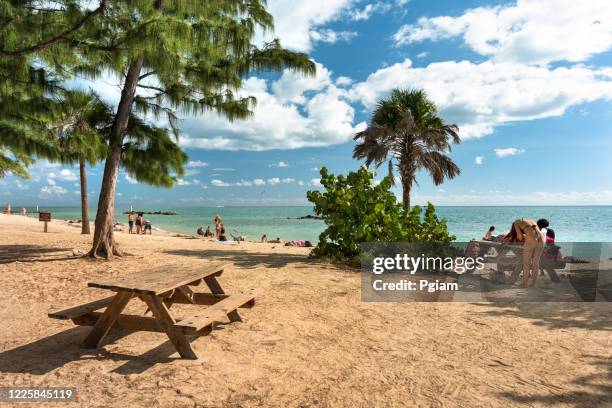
[
  {"x": 32, "y": 253},
  {"x": 52, "y": 352},
  {"x": 599, "y": 393},
  {"x": 557, "y": 315},
  {"x": 247, "y": 259}
]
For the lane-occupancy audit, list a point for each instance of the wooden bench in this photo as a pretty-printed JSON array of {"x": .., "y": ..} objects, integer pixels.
[
  {"x": 509, "y": 257},
  {"x": 160, "y": 288}
]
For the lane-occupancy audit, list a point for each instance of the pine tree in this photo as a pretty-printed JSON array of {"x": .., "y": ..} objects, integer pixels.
[{"x": 188, "y": 56}]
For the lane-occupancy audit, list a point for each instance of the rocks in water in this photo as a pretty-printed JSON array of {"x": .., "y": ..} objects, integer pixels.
[
  {"x": 153, "y": 212},
  {"x": 306, "y": 217}
]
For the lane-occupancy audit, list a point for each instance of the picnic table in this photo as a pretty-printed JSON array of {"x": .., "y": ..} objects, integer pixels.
[
  {"x": 508, "y": 256},
  {"x": 159, "y": 289}
]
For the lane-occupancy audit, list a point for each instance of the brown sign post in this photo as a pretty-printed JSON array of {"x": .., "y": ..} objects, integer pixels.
[{"x": 45, "y": 217}]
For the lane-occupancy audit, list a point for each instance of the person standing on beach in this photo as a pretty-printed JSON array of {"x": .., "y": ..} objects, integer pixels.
[
  {"x": 131, "y": 222},
  {"x": 139, "y": 223},
  {"x": 527, "y": 231}
]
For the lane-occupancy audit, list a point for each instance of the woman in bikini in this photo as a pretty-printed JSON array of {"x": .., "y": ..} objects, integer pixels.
[{"x": 527, "y": 231}]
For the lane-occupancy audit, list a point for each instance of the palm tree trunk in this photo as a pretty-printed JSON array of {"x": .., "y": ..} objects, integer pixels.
[
  {"x": 84, "y": 198},
  {"x": 103, "y": 242},
  {"x": 406, "y": 195}
]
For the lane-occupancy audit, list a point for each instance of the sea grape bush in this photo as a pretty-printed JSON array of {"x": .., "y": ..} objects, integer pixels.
[{"x": 356, "y": 210}]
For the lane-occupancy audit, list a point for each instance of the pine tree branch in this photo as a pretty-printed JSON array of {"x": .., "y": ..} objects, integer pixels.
[
  {"x": 60, "y": 37},
  {"x": 143, "y": 76}
]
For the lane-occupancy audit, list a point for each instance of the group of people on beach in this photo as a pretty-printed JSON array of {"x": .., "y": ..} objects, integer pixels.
[
  {"x": 142, "y": 225},
  {"x": 534, "y": 236},
  {"x": 219, "y": 233}
]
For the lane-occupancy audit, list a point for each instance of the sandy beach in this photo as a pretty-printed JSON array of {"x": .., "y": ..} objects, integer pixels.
[{"x": 309, "y": 340}]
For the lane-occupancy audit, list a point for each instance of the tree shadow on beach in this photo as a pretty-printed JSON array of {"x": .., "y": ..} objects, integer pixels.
[
  {"x": 52, "y": 352},
  {"x": 248, "y": 259},
  {"x": 32, "y": 253},
  {"x": 598, "y": 392},
  {"x": 556, "y": 315}
]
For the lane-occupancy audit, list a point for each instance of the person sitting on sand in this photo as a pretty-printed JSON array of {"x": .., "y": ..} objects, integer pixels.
[
  {"x": 222, "y": 236},
  {"x": 208, "y": 232},
  {"x": 200, "y": 230},
  {"x": 299, "y": 243},
  {"x": 276, "y": 241},
  {"x": 264, "y": 238},
  {"x": 131, "y": 222},
  {"x": 489, "y": 235},
  {"x": 147, "y": 227}
]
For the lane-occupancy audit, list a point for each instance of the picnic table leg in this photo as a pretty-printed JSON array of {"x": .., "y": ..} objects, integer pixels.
[
  {"x": 166, "y": 321},
  {"x": 106, "y": 321},
  {"x": 515, "y": 273},
  {"x": 552, "y": 274},
  {"x": 216, "y": 289}
]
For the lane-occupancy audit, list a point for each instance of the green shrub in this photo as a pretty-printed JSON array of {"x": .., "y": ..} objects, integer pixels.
[{"x": 356, "y": 210}]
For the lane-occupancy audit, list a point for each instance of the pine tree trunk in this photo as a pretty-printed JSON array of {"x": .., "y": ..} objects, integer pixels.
[
  {"x": 84, "y": 199},
  {"x": 103, "y": 242}
]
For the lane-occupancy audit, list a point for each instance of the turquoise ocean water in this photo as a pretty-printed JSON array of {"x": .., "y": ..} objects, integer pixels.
[{"x": 571, "y": 223}]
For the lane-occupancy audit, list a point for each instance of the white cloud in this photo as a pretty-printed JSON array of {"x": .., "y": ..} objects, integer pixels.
[
  {"x": 279, "y": 164},
  {"x": 50, "y": 180},
  {"x": 223, "y": 169},
  {"x": 422, "y": 54},
  {"x": 330, "y": 36},
  {"x": 478, "y": 160},
  {"x": 130, "y": 179},
  {"x": 197, "y": 163},
  {"x": 529, "y": 31},
  {"x": 256, "y": 182},
  {"x": 508, "y": 151},
  {"x": 295, "y": 21},
  {"x": 67, "y": 175},
  {"x": 20, "y": 185},
  {"x": 244, "y": 183},
  {"x": 51, "y": 190},
  {"x": 219, "y": 183},
  {"x": 191, "y": 172},
  {"x": 182, "y": 182},
  {"x": 343, "y": 81},
  {"x": 479, "y": 97},
  {"x": 315, "y": 182},
  {"x": 283, "y": 119},
  {"x": 378, "y": 7}
]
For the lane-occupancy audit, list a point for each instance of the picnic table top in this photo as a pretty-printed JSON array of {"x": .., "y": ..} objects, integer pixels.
[{"x": 156, "y": 281}]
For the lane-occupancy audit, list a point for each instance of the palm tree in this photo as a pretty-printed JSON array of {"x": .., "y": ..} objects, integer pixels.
[
  {"x": 80, "y": 132},
  {"x": 407, "y": 132}
]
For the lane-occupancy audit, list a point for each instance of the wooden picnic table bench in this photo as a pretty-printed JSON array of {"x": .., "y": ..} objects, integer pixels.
[
  {"x": 160, "y": 288},
  {"x": 508, "y": 256}
]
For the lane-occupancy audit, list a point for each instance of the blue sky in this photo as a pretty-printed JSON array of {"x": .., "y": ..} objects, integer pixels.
[{"x": 529, "y": 83}]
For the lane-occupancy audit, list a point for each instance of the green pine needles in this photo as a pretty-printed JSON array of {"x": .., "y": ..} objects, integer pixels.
[{"x": 172, "y": 58}]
